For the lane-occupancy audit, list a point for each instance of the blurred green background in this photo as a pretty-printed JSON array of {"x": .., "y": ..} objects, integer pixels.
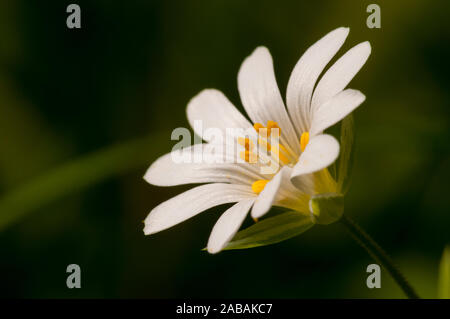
[{"x": 128, "y": 74}]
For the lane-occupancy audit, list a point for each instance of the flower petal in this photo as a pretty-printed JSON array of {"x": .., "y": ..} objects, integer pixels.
[
  {"x": 168, "y": 170},
  {"x": 227, "y": 225},
  {"x": 193, "y": 202},
  {"x": 305, "y": 184},
  {"x": 268, "y": 195},
  {"x": 321, "y": 151},
  {"x": 340, "y": 74},
  {"x": 335, "y": 110},
  {"x": 305, "y": 74},
  {"x": 261, "y": 97},
  {"x": 215, "y": 111}
]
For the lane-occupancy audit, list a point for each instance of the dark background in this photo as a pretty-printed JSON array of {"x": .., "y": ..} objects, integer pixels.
[{"x": 130, "y": 71}]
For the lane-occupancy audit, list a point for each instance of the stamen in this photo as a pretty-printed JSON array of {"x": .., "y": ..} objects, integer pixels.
[
  {"x": 259, "y": 185},
  {"x": 283, "y": 149},
  {"x": 257, "y": 126},
  {"x": 246, "y": 142},
  {"x": 304, "y": 139},
  {"x": 281, "y": 154},
  {"x": 271, "y": 125},
  {"x": 263, "y": 143},
  {"x": 249, "y": 156}
]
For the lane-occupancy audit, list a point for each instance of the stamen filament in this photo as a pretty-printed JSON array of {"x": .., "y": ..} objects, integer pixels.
[
  {"x": 248, "y": 156},
  {"x": 246, "y": 143}
]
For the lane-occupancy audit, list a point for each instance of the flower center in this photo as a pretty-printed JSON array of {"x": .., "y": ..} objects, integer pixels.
[
  {"x": 278, "y": 152},
  {"x": 269, "y": 153},
  {"x": 275, "y": 151}
]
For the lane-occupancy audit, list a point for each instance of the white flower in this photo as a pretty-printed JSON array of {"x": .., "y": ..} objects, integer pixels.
[{"x": 303, "y": 154}]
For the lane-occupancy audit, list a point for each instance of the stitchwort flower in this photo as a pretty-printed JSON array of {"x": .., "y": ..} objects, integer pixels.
[{"x": 282, "y": 151}]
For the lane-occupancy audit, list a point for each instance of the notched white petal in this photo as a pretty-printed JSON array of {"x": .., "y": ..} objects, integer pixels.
[
  {"x": 339, "y": 75},
  {"x": 261, "y": 96},
  {"x": 214, "y": 110},
  {"x": 193, "y": 202},
  {"x": 227, "y": 225},
  {"x": 335, "y": 110},
  {"x": 268, "y": 195},
  {"x": 305, "y": 74},
  {"x": 179, "y": 167},
  {"x": 304, "y": 183},
  {"x": 321, "y": 152}
]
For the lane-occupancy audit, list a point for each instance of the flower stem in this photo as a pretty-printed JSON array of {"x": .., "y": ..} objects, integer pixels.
[{"x": 377, "y": 253}]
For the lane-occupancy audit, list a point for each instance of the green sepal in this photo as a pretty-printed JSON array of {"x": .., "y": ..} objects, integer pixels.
[
  {"x": 326, "y": 208},
  {"x": 271, "y": 230}
]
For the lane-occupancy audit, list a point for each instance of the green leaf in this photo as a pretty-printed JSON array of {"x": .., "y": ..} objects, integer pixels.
[
  {"x": 444, "y": 275},
  {"x": 327, "y": 208},
  {"x": 77, "y": 175},
  {"x": 271, "y": 230},
  {"x": 346, "y": 157}
]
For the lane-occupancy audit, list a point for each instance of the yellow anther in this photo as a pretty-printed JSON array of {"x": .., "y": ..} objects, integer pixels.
[
  {"x": 246, "y": 142},
  {"x": 255, "y": 219},
  {"x": 271, "y": 125},
  {"x": 257, "y": 126},
  {"x": 304, "y": 139},
  {"x": 261, "y": 129},
  {"x": 259, "y": 185},
  {"x": 248, "y": 156}
]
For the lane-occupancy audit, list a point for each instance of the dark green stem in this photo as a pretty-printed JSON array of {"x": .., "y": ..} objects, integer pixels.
[{"x": 378, "y": 254}]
